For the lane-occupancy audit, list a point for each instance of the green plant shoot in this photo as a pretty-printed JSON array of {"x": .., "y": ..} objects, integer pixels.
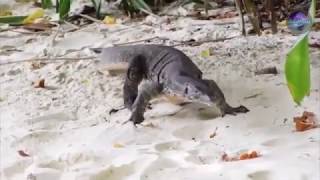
[
  {"x": 64, "y": 8},
  {"x": 12, "y": 20},
  {"x": 46, "y": 4},
  {"x": 97, "y": 7},
  {"x": 297, "y": 66},
  {"x": 297, "y": 69}
]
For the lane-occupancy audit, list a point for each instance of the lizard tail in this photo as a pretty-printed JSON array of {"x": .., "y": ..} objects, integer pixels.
[{"x": 96, "y": 50}]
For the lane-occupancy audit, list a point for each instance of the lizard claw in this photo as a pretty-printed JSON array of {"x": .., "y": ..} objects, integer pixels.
[{"x": 136, "y": 119}]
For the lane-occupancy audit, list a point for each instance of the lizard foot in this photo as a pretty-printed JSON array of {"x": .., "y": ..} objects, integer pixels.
[
  {"x": 136, "y": 119},
  {"x": 234, "y": 110}
]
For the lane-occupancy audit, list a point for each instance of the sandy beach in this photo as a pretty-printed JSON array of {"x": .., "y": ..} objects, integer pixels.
[{"x": 66, "y": 132}]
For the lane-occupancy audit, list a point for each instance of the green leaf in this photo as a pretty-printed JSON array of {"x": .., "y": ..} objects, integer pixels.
[
  {"x": 205, "y": 53},
  {"x": 12, "y": 20},
  {"x": 141, "y": 5},
  {"x": 297, "y": 69},
  {"x": 97, "y": 7},
  {"x": 57, "y": 6},
  {"x": 46, "y": 4},
  {"x": 64, "y": 8},
  {"x": 312, "y": 10}
]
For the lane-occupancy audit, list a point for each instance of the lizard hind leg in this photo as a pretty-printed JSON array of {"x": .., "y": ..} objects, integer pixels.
[{"x": 134, "y": 76}]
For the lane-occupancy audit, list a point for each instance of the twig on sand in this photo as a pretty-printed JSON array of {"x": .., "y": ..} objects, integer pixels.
[
  {"x": 149, "y": 13},
  {"x": 268, "y": 70},
  {"x": 50, "y": 60},
  {"x": 74, "y": 27},
  {"x": 55, "y": 34},
  {"x": 142, "y": 40},
  {"x": 90, "y": 18},
  {"x": 252, "y": 96},
  {"x": 198, "y": 43}
]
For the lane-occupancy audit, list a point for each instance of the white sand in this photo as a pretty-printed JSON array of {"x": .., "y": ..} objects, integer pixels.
[{"x": 69, "y": 135}]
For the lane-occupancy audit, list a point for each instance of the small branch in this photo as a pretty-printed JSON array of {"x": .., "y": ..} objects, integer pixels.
[
  {"x": 28, "y": 32},
  {"x": 90, "y": 18},
  {"x": 74, "y": 27},
  {"x": 50, "y": 60},
  {"x": 142, "y": 40},
  {"x": 201, "y": 42},
  {"x": 273, "y": 17},
  {"x": 268, "y": 70},
  {"x": 149, "y": 13},
  {"x": 242, "y": 23}
]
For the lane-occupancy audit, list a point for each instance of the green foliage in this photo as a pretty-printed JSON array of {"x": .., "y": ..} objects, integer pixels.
[
  {"x": 140, "y": 5},
  {"x": 12, "y": 20},
  {"x": 64, "y": 8},
  {"x": 46, "y": 4},
  {"x": 97, "y": 7},
  {"x": 297, "y": 66},
  {"x": 297, "y": 69},
  {"x": 57, "y": 6},
  {"x": 312, "y": 10},
  {"x": 133, "y": 6}
]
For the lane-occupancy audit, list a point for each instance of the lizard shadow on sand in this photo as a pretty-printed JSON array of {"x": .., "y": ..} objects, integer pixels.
[{"x": 190, "y": 110}]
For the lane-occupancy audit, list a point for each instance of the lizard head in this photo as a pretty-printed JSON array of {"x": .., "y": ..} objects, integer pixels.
[{"x": 196, "y": 90}]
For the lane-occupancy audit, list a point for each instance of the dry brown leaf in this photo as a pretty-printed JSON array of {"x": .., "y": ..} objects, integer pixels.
[
  {"x": 37, "y": 65},
  {"x": 23, "y": 154},
  {"x": 38, "y": 26},
  {"x": 242, "y": 156},
  {"x": 39, "y": 84},
  {"x": 248, "y": 155},
  {"x": 214, "y": 133},
  {"x": 306, "y": 121}
]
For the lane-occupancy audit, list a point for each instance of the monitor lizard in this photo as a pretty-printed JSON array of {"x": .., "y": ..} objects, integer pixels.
[{"x": 166, "y": 70}]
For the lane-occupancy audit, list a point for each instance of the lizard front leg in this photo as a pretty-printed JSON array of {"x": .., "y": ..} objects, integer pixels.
[
  {"x": 134, "y": 76},
  {"x": 217, "y": 96},
  {"x": 147, "y": 91}
]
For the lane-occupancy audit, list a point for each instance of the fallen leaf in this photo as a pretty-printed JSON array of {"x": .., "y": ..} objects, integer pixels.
[
  {"x": 37, "y": 65},
  {"x": 248, "y": 155},
  {"x": 208, "y": 52},
  {"x": 205, "y": 53},
  {"x": 242, "y": 156},
  {"x": 214, "y": 133},
  {"x": 38, "y": 26},
  {"x": 85, "y": 82},
  {"x": 12, "y": 20},
  {"x": 39, "y": 84},
  {"x": 23, "y": 154},
  {"x": 117, "y": 145},
  {"x": 109, "y": 20},
  {"x": 306, "y": 121},
  {"x": 38, "y": 13}
]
